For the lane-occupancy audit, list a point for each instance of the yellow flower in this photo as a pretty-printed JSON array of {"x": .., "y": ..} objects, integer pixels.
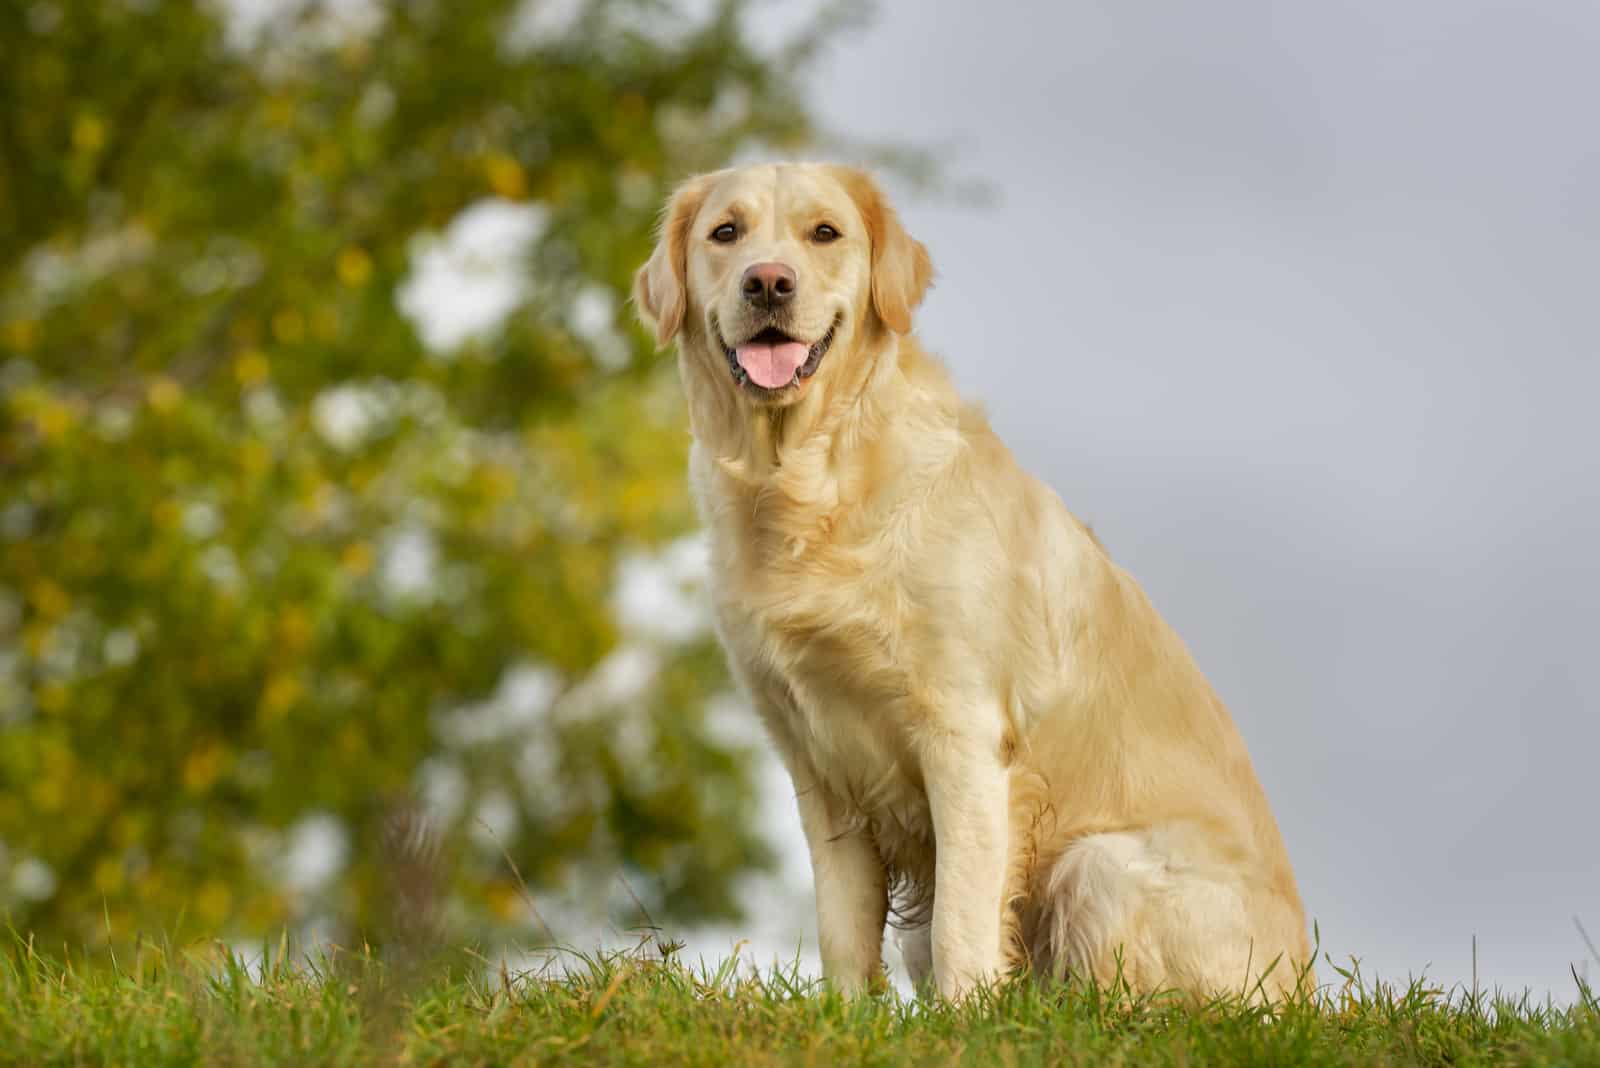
[
  {"x": 280, "y": 111},
  {"x": 496, "y": 482},
  {"x": 54, "y": 419},
  {"x": 88, "y": 134},
  {"x": 48, "y": 794},
  {"x": 21, "y": 334},
  {"x": 128, "y": 829},
  {"x": 251, "y": 368},
  {"x": 355, "y": 267},
  {"x": 356, "y": 558},
  {"x": 201, "y": 767},
  {"x": 212, "y": 902},
  {"x": 294, "y": 628},
  {"x": 255, "y": 458},
  {"x": 52, "y": 697},
  {"x": 108, "y": 875},
  {"x": 506, "y": 176},
  {"x": 504, "y": 901},
  {"x": 51, "y": 600},
  {"x": 163, "y": 394},
  {"x": 38, "y": 638},
  {"x": 289, "y": 326},
  {"x": 167, "y": 514},
  {"x": 281, "y": 692}
]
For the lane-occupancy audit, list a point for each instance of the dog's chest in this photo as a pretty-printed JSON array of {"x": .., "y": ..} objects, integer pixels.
[{"x": 824, "y": 642}]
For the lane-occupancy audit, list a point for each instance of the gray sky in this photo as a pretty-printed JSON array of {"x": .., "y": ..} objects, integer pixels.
[{"x": 1297, "y": 304}]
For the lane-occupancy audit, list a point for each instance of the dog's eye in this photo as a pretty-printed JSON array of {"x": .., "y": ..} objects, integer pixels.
[
  {"x": 824, "y": 233},
  {"x": 725, "y": 234}
]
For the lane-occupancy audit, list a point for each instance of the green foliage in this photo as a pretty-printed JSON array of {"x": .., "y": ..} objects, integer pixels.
[
  {"x": 160, "y": 1008},
  {"x": 200, "y": 642}
]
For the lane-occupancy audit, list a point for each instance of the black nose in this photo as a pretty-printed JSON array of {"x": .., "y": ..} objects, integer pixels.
[{"x": 768, "y": 284}]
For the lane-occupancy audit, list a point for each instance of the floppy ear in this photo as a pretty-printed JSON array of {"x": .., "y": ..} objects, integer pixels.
[
  {"x": 901, "y": 269},
  {"x": 659, "y": 286}
]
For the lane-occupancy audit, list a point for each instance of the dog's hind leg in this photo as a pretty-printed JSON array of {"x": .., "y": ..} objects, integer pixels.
[{"x": 1142, "y": 906}]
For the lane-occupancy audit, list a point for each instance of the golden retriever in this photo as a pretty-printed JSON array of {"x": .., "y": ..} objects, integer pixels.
[{"x": 989, "y": 728}]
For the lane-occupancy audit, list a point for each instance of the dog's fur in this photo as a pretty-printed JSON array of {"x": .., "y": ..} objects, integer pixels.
[{"x": 987, "y": 724}]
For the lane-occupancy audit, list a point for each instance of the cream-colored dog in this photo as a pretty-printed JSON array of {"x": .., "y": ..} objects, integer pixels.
[{"x": 986, "y": 722}]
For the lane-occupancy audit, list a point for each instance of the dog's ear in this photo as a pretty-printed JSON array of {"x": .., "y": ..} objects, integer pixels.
[
  {"x": 901, "y": 269},
  {"x": 660, "y": 286}
]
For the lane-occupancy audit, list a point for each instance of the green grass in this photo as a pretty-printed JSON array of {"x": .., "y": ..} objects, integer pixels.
[{"x": 204, "y": 1007}]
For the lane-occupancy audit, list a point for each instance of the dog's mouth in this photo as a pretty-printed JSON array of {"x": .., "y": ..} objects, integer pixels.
[{"x": 771, "y": 360}]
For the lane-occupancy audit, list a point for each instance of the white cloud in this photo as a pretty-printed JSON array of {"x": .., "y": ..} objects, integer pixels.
[
  {"x": 317, "y": 849},
  {"x": 494, "y": 821},
  {"x": 262, "y": 407},
  {"x": 120, "y": 648},
  {"x": 625, "y": 674},
  {"x": 346, "y": 415},
  {"x": 537, "y": 22},
  {"x": 442, "y": 786},
  {"x": 518, "y": 705},
  {"x": 662, "y": 596},
  {"x": 408, "y": 562},
  {"x": 592, "y": 315},
  {"x": 465, "y": 283},
  {"x": 247, "y": 23},
  {"x": 201, "y": 520},
  {"x": 33, "y": 880}
]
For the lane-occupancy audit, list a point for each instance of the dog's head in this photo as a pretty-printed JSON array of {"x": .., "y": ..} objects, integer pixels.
[{"x": 765, "y": 271}]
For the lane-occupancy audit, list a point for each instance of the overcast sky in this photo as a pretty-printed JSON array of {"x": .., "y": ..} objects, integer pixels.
[{"x": 1299, "y": 305}]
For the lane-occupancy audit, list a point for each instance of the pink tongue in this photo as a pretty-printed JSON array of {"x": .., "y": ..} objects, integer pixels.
[{"x": 771, "y": 366}]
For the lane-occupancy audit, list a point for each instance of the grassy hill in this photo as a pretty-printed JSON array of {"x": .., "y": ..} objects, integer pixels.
[{"x": 205, "y": 1007}]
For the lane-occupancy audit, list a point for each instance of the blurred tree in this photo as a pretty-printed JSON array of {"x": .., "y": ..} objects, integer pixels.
[{"x": 276, "y": 554}]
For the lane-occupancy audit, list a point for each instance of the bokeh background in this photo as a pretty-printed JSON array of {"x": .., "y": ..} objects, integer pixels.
[{"x": 348, "y": 583}]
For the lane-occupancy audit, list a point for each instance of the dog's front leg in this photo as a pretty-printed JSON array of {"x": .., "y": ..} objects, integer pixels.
[
  {"x": 967, "y": 796},
  {"x": 852, "y": 889}
]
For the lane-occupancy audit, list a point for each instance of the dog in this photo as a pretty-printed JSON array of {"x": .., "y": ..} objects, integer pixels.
[{"x": 991, "y": 732}]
